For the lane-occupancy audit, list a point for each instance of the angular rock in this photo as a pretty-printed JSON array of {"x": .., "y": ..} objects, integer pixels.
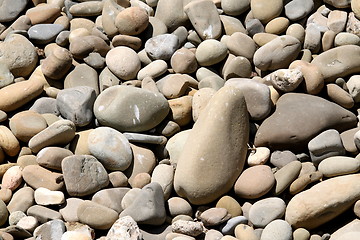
[
  {"x": 280, "y": 131},
  {"x": 130, "y": 108},
  {"x": 125, "y": 228},
  {"x": 198, "y": 157},
  {"x": 83, "y": 175}
]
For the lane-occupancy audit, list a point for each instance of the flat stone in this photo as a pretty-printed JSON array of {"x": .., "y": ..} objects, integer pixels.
[
  {"x": 83, "y": 175},
  {"x": 230, "y": 204},
  {"x": 37, "y": 176},
  {"x": 123, "y": 68},
  {"x": 51, "y": 157},
  {"x": 236, "y": 67},
  {"x": 44, "y": 33},
  {"x": 164, "y": 175},
  {"x": 339, "y": 95},
  {"x": 324, "y": 145},
  {"x": 45, "y": 197},
  {"x": 286, "y": 175},
  {"x": 337, "y": 20},
  {"x": 86, "y": 9},
  {"x": 254, "y": 182},
  {"x": 59, "y": 133},
  {"x": 204, "y": 17},
  {"x": 291, "y": 105},
  {"x": 111, "y": 148},
  {"x": 14, "y": 217},
  {"x": 162, "y": 46},
  {"x": 258, "y": 102},
  {"x": 148, "y": 207},
  {"x": 301, "y": 211},
  {"x": 214, "y": 216},
  {"x": 126, "y": 228},
  {"x": 96, "y": 215},
  {"x": 43, "y": 214},
  {"x": 75, "y": 104},
  {"x": 130, "y": 109},
  {"x": 266, "y": 210},
  {"x": 339, "y": 165},
  {"x": 196, "y": 156}
]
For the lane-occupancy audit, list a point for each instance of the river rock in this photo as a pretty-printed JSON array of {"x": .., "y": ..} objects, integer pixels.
[
  {"x": 214, "y": 216},
  {"x": 162, "y": 46},
  {"x": 21, "y": 200},
  {"x": 243, "y": 231},
  {"x": 240, "y": 44},
  {"x": 126, "y": 228},
  {"x": 196, "y": 156},
  {"x": 339, "y": 165},
  {"x": 96, "y": 215},
  {"x": 258, "y": 102},
  {"x": 111, "y": 148},
  {"x": 124, "y": 68},
  {"x": 235, "y": 8},
  {"x": 51, "y": 157},
  {"x": 12, "y": 178},
  {"x": 130, "y": 109},
  {"x": 298, "y": 9},
  {"x": 277, "y": 229},
  {"x": 44, "y": 33},
  {"x": 254, "y": 182},
  {"x": 44, "y": 105},
  {"x": 10, "y": 10},
  {"x": 286, "y": 175},
  {"x": 278, "y": 53},
  {"x": 302, "y": 211},
  {"x": 204, "y": 17},
  {"x": 179, "y": 206},
  {"x": 50, "y": 230},
  {"x": 37, "y": 176},
  {"x": 59, "y": 133},
  {"x": 82, "y": 75},
  {"x": 76, "y": 104},
  {"x": 8, "y": 142},
  {"x": 83, "y": 175},
  {"x": 69, "y": 211},
  {"x": 290, "y": 105},
  {"x": 266, "y": 210},
  {"x": 45, "y": 197},
  {"x": 43, "y": 214},
  {"x": 266, "y": 10},
  {"x": 132, "y": 21},
  {"x": 111, "y": 197},
  {"x": 148, "y": 207}
]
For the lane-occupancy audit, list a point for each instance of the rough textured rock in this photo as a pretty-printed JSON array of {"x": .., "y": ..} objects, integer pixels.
[{"x": 198, "y": 157}]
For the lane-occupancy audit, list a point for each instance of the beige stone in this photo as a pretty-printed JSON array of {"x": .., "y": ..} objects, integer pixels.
[
  {"x": 181, "y": 109},
  {"x": 277, "y": 25},
  {"x": 8, "y": 142},
  {"x": 265, "y": 10},
  {"x": 132, "y": 21}
]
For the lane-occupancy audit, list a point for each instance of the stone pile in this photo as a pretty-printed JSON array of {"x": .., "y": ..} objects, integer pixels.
[{"x": 180, "y": 119}]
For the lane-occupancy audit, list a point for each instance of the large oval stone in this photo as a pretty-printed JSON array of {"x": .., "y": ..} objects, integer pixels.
[
  {"x": 281, "y": 130},
  {"x": 332, "y": 197},
  {"x": 130, "y": 109},
  {"x": 221, "y": 132}
]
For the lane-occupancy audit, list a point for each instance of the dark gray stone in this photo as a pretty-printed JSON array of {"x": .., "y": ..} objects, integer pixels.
[{"x": 44, "y": 33}]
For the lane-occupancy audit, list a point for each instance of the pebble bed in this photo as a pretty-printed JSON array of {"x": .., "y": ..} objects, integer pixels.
[{"x": 180, "y": 119}]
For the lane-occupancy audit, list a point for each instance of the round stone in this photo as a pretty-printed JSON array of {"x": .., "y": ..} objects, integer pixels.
[
  {"x": 266, "y": 210},
  {"x": 162, "y": 46},
  {"x": 130, "y": 109},
  {"x": 123, "y": 62},
  {"x": 132, "y": 21},
  {"x": 210, "y": 52},
  {"x": 110, "y": 147}
]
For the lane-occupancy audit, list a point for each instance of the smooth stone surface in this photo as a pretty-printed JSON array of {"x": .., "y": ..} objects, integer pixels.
[
  {"x": 10, "y": 10},
  {"x": 339, "y": 95},
  {"x": 148, "y": 207},
  {"x": 243, "y": 231},
  {"x": 196, "y": 156},
  {"x": 207, "y": 58},
  {"x": 266, "y": 210},
  {"x": 123, "y": 68},
  {"x": 45, "y": 105},
  {"x": 76, "y": 104},
  {"x": 278, "y": 53},
  {"x": 164, "y": 175},
  {"x": 286, "y": 175},
  {"x": 297, "y": 9},
  {"x": 277, "y": 229},
  {"x": 82, "y": 75},
  {"x": 83, "y": 175},
  {"x": 162, "y": 46},
  {"x": 240, "y": 44},
  {"x": 3, "y": 213},
  {"x": 339, "y": 165},
  {"x": 132, "y": 21},
  {"x": 257, "y": 96},
  {"x": 301, "y": 211},
  {"x": 139, "y": 118},
  {"x": 52, "y": 229},
  {"x": 44, "y": 33},
  {"x": 43, "y": 214},
  {"x": 254, "y": 182},
  {"x": 266, "y": 10},
  {"x": 111, "y": 197},
  {"x": 111, "y": 148},
  {"x": 272, "y": 133},
  {"x": 8, "y": 142},
  {"x": 59, "y": 133},
  {"x": 230, "y": 204},
  {"x": 21, "y": 200},
  {"x": 324, "y": 145},
  {"x": 96, "y": 215},
  {"x": 37, "y": 176},
  {"x": 69, "y": 212},
  {"x": 45, "y": 197},
  {"x": 230, "y": 225},
  {"x": 51, "y": 157},
  {"x": 12, "y": 178},
  {"x": 214, "y": 216},
  {"x": 179, "y": 206},
  {"x": 281, "y": 158}
]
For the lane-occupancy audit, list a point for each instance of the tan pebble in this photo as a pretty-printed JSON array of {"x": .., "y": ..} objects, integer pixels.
[
  {"x": 36, "y": 177},
  {"x": 277, "y": 25},
  {"x": 22, "y": 23},
  {"x": 236, "y": 67},
  {"x": 50, "y": 118},
  {"x": 64, "y": 21},
  {"x": 127, "y": 41},
  {"x": 44, "y": 13},
  {"x": 129, "y": 197},
  {"x": 230, "y": 204},
  {"x": 26, "y": 160},
  {"x": 141, "y": 179},
  {"x": 297, "y": 31},
  {"x": 27, "y": 124},
  {"x": 265, "y": 10},
  {"x": 8, "y": 142},
  {"x": 78, "y": 32},
  {"x": 314, "y": 81},
  {"x": 20, "y": 93},
  {"x": 355, "y": 7},
  {"x": 339, "y": 95},
  {"x": 179, "y": 206},
  {"x": 200, "y": 100},
  {"x": 327, "y": 40},
  {"x": 86, "y": 9},
  {"x": 232, "y": 24},
  {"x": 263, "y": 38},
  {"x": 3, "y": 116},
  {"x": 345, "y": 38},
  {"x": 153, "y": 70},
  {"x": 81, "y": 47},
  {"x": 132, "y": 21},
  {"x": 356, "y": 208},
  {"x": 45, "y": 197},
  {"x": 218, "y": 52},
  {"x": 240, "y": 44},
  {"x": 28, "y": 223},
  {"x": 5, "y": 195},
  {"x": 58, "y": 64},
  {"x": 184, "y": 61},
  {"x": 337, "y": 20},
  {"x": 173, "y": 86},
  {"x": 12, "y": 178},
  {"x": 243, "y": 231},
  {"x": 258, "y": 156},
  {"x": 181, "y": 109},
  {"x": 301, "y": 234},
  {"x": 79, "y": 145},
  {"x": 118, "y": 179},
  {"x": 81, "y": 23}
]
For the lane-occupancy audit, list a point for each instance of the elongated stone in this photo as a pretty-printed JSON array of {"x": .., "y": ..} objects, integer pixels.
[{"x": 221, "y": 132}]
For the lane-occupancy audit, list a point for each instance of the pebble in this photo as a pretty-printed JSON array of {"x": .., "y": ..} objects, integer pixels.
[
  {"x": 82, "y": 75},
  {"x": 187, "y": 227},
  {"x": 111, "y": 198},
  {"x": 354, "y": 88},
  {"x": 51, "y": 229},
  {"x": 179, "y": 206},
  {"x": 229, "y": 227},
  {"x": 139, "y": 118},
  {"x": 15, "y": 217},
  {"x": 230, "y": 204},
  {"x": 79, "y": 169},
  {"x": 132, "y": 21},
  {"x": 266, "y": 210},
  {"x": 45, "y": 197},
  {"x": 281, "y": 158},
  {"x": 44, "y": 33},
  {"x": 339, "y": 95},
  {"x": 43, "y": 214},
  {"x": 111, "y": 148},
  {"x": 12, "y": 178},
  {"x": 51, "y": 157},
  {"x": 37, "y": 176},
  {"x": 28, "y": 223},
  {"x": 254, "y": 182},
  {"x": 21, "y": 200},
  {"x": 164, "y": 175},
  {"x": 214, "y": 216},
  {"x": 173, "y": 86},
  {"x": 206, "y": 58},
  {"x": 126, "y": 228},
  {"x": 339, "y": 165},
  {"x": 278, "y": 229},
  {"x": 183, "y": 61},
  {"x": 286, "y": 175},
  {"x": 162, "y": 47},
  {"x": 45, "y": 105},
  {"x": 286, "y": 80},
  {"x": 266, "y": 10}
]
